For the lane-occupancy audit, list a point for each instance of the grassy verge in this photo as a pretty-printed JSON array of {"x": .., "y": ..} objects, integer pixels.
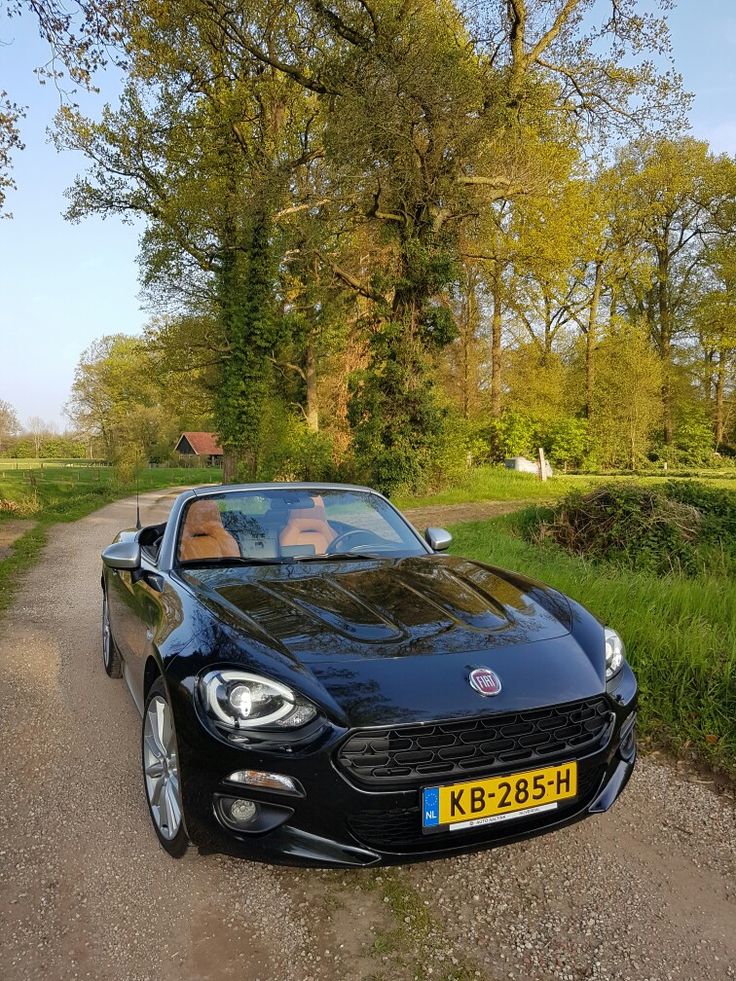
[
  {"x": 67, "y": 494},
  {"x": 24, "y": 553},
  {"x": 680, "y": 634}
]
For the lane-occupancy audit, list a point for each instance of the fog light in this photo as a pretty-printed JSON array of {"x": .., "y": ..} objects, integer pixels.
[
  {"x": 628, "y": 738},
  {"x": 267, "y": 781},
  {"x": 242, "y": 812}
]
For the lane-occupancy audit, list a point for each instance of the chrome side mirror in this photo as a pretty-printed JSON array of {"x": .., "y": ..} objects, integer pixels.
[
  {"x": 123, "y": 555},
  {"x": 438, "y": 539}
]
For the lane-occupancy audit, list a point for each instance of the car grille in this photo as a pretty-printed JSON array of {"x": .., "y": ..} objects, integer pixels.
[
  {"x": 405, "y": 756},
  {"x": 400, "y": 830}
]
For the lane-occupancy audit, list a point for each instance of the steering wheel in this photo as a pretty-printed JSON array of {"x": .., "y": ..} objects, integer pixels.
[{"x": 336, "y": 543}]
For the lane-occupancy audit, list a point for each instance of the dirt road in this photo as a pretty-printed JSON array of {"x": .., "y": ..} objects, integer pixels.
[{"x": 647, "y": 891}]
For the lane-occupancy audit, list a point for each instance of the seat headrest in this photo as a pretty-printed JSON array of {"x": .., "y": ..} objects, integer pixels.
[
  {"x": 316, "y": 514},
  {"x": 201, "y": 516}
]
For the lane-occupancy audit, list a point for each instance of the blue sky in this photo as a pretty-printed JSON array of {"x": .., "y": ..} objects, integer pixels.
[{"x": 62, "y": 285}]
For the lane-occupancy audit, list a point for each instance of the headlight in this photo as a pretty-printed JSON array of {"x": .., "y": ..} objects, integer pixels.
[
  {"x": 614, "y": 653},
  {"x": 240, "y": 700}
]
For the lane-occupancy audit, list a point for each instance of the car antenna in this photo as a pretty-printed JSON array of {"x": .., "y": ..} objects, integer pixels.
[{"x": 137, "y": 507}]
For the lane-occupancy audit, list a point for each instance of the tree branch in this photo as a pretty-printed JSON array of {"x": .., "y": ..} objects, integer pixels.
[
  {"x": 548, "y": 37},
  {"x": 356, "y": 284}
]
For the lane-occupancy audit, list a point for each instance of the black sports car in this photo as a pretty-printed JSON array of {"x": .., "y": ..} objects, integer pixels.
[{"x": 319, "y": 686}]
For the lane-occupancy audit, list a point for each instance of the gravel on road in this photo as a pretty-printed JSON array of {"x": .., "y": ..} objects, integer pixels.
[{"x": 647, "y": 891}]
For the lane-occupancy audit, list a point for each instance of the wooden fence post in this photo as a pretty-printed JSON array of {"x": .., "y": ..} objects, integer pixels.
[{"x": 542, "y": 465}]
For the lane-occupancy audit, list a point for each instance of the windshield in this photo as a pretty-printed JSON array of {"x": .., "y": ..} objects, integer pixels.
[{"x": 273, "y": 525}]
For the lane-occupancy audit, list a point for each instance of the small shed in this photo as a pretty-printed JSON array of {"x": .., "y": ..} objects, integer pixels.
[
  {"x": 523, "y": 465},
  {"x": 202, "y": 445}
]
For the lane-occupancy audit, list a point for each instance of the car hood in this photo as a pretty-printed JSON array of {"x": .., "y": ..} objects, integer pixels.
[{"x": 397, "y": 638}]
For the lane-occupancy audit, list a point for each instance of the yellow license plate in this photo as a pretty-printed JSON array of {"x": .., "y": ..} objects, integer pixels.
[{"x": 467, "y": 805}]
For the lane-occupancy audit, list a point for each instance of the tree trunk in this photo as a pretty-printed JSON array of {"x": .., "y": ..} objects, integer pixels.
[
  {"x": 229, "y": 466},
  {"x": 612, "y": 306},
  {"x": 310, "y": 378},
  {"x": 665, "y": 343},
  {"x": 719, "y": 413},
  {"x": 591, "y": 338},
  {"x": 496, "y": 346},
  {"x": 708, "y": 362}
]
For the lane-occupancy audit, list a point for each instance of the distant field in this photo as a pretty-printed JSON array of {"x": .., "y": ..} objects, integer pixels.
[
  {"x": 63, "y": 492},
  {"x": 10, "y": 463},
  {"x": 498, "y": 484}
]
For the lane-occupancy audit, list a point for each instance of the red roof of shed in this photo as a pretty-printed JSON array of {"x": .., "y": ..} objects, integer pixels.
[{"x": 203, "y": 444}]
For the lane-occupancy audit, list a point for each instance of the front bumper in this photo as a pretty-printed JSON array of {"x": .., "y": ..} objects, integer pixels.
[{"x": 338, "y": 824}]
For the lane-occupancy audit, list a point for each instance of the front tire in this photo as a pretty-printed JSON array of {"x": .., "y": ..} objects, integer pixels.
[
  {"x": 160, "y": 761},
  {"x": 111, "y": 660}
]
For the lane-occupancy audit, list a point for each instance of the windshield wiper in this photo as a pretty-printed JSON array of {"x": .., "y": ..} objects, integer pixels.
[
  {"x": 224, "y": 561},
  {"x": 336, "y": 555}
]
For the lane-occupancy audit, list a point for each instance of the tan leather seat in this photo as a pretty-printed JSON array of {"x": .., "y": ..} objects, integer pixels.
[
  {"x": 203, "y": 535},
  {"x": 308, "y": 526}
]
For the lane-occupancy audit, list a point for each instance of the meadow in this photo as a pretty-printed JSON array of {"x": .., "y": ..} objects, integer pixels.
[
  {"x": 58, "y": 491},
  {"x": 495, "y": 483}
]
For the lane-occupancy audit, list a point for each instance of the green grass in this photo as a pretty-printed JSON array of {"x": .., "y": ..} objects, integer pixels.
[
  {"x": 57, "y": 494},
  {"x": 680, "y": 634},
  {"x": 33, "y": 463},
  {"x": 65, "y": 493},
  {"x": 495, "y": 483},
  {"x": 25, "y": 551}
]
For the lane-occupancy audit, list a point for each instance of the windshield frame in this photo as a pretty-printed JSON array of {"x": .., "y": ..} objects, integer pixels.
[{"x": 181, "y": 506}]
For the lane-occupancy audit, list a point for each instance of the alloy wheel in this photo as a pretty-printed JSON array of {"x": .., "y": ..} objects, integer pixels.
[
  {"x": 161, "y": 767},
  {"x": 106, "y": 638}
]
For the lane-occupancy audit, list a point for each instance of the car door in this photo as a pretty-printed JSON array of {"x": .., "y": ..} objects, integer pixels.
[{"x": 134, "y": 604}]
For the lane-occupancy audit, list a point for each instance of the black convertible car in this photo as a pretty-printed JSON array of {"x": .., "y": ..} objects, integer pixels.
[{"x": 319, "y": 686}]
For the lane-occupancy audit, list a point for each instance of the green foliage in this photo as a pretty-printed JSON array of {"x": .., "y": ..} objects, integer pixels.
[
  {"x": 627, "y": 408},
  {"x": 680, "y": 634},
  {"x": 565, "y": 439},
  {"x": 51, "y": 447},
  {"x": 394, "y": 412},
  {"x": 249, "y": 329},
  {"x": 460, "y": 446},
  {"x": 567, "y": 443},
  {"x": 437, "y": 327},
  {"x": 514, "y": 434},
  {"x": 717, "y": 507},
  {"x": 290, "y": 450},
  {"x": 694, "y": 439}
]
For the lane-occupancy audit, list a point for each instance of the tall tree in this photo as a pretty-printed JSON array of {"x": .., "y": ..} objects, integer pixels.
[
  {"x": 666, "y": 196},
  {"x": 715, "y": 321},
  {"x": 9, "y": 425}
]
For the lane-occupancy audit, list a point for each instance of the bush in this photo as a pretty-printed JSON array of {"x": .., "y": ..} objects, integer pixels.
[
  {"x": 566, "y": 440},
  {"x": 295, "y": 452},
  {"x": 460, "y": 446},
  {"x": 568, "y": 443},
  {"x": 513, "y": 434},
  {"x": 716, "y": 506},
  {"x": 641, "y": 527},
  {"x": 680, "y": 526}
]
